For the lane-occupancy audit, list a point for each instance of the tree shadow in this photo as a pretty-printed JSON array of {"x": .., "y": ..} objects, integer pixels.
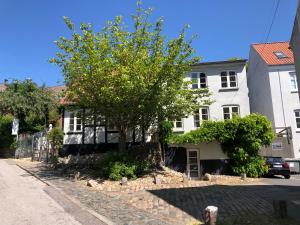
[{"x": 238, "y": 200}]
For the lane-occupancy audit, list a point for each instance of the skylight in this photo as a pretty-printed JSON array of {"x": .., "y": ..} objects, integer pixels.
[{"x": 280, "y": 55}]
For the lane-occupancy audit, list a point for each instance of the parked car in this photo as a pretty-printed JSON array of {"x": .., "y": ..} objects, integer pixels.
[{"x": 277, "y": 166}]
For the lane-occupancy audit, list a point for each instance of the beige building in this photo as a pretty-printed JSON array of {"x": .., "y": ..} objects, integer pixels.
[{"x": 295, "y": 43}]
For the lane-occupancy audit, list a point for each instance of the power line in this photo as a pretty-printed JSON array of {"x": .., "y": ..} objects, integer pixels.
[{"x": 266, "y": 41}]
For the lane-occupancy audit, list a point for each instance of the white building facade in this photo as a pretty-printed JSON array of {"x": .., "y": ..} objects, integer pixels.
[
  {"x": 227, "y": 81},
  {"x": 295, "y": 42},
  {"x": 273, "y": 88}
]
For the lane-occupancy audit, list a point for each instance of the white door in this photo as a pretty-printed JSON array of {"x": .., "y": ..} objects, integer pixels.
[{"x": 193, "y": 163}]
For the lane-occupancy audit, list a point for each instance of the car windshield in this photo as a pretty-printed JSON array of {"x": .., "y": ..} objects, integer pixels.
[{"x": 275, "y": 160}]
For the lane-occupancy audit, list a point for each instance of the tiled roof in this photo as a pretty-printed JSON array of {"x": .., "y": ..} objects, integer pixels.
[
  {"x": 57, "y": 89},
  {"x": 266, "y": 51}
]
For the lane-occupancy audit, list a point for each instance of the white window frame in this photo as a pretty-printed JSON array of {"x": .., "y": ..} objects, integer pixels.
[
  {"x": 293, "y": 78},
  {"x": 179, "y": 120},
  {"x": 200, "y": 84},
  {"x": 297, "y": 117},
  {"x": 228, "y": 81},
  {"x": 230, "y": 113},
  {"x": 76, "y": 117},
  {"x": 199, "y": 116}
]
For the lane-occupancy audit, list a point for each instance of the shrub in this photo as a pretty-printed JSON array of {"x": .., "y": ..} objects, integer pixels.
[
  {"x": 117, "y": 165},
  {"x": 55, "y": 138},
  {"x": 6, "y": 139}
]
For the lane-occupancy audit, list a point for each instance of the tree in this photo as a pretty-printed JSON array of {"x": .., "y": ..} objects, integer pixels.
[
  {"x": 131, "y": 77},
  {"x": 6, "y": 139},
  {"x": 27, "y": 102}
]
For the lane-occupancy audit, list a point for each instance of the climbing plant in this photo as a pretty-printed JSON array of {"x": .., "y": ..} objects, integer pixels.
[{"x": 241, "y": 139}]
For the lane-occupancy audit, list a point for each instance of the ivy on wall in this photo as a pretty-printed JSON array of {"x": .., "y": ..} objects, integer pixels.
[{"x": 241, "y": 139}]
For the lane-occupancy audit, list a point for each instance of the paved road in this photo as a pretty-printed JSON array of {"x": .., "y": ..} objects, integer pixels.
[
  {"x": 23, "y": 200},
  {"x": 278, "y": 180}
]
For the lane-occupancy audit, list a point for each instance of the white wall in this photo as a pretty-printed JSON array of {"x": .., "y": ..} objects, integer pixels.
[
  {"x": 285, "y": 102},
  {"x": 235, "y": 96},
  {"x": 295, "y": 43},
  {"x": 259, "y": 86},
  {"x": 270, "y": 94}
]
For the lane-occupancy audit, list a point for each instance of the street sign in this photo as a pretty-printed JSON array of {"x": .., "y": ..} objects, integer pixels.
[{"x": 15, "y": 127}]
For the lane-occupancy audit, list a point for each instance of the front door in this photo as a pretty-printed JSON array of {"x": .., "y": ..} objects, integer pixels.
[{"x": 193, "y": 163}]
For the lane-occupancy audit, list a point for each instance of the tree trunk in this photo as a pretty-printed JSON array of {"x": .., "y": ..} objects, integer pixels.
[{"x": 122, "y": 139}]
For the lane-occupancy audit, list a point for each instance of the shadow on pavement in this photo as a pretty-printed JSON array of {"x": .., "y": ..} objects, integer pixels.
[{"x": 241, "y": 200}]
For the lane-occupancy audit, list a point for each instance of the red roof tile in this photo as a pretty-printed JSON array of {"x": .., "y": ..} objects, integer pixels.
[
  {"x": 266, "y": 51},
  {"x": 2, "y": 87}
]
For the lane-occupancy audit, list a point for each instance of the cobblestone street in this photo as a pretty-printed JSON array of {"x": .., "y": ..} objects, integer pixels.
[{"x": 178, "y": 205}]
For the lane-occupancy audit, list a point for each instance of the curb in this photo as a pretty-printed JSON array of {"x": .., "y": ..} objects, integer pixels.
[{"x": 75, "y": 201}]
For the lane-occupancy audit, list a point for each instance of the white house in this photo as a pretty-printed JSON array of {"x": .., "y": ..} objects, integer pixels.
[
  {"x": 295, "y": 42},
  {"x": 273, "y": 88},
  {"x": 227, "y": 81}
]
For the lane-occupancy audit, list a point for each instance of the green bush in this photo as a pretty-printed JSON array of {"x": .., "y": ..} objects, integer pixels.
[
  {"x": 117, "y": 165},
  {"x": 6, "y": 139}
]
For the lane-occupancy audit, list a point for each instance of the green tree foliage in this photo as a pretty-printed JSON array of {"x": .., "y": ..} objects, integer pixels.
[
  {"x": 27, "y": 102},
  {"x": 55, "y": 138},
  {"x": 6, "y": 139},
  {"x": 241, "y": 140},
  {"x": 133, "y": 77}
]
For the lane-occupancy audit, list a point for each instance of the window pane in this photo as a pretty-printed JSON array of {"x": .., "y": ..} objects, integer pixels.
[
  {"x": 204, "y": 117},
  {"x": 297, "y": 114},
  {"x": 231, "y": 73},
  {"x": 224, "y": 79},
  {"x": 224, "y": 85},
  {"x": 232, "y": 84},
  {"x": 204, "y": 110},
  {"x": 194, "y": 75},
  {"x": 193, "y": 174},
  {"x": 225, "y": 110},
  {"x": 223, "y": 73},
  {"x": 192, "y": 154},
  {"x": 235, "y": 109},
  {"x": 194, "y": 86},
  {"x": 226, "y": 116},
  {"x": 232, "y": 78},
  {"x": 71, "y": 127}
]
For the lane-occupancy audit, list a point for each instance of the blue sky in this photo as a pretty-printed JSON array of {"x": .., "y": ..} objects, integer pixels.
[{"x": 225, "y": 28}]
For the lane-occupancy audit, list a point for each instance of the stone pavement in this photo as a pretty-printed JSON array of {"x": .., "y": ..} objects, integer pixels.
[{"x": 179, "y": 205}]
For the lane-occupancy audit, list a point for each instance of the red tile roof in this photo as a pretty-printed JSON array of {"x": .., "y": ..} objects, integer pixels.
[
  {"x": 2, "y": 87},
  {"x": 266, "y": 51}
]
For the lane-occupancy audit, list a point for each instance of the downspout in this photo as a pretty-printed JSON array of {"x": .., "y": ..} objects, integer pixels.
[{"x": 282, "y": 106}]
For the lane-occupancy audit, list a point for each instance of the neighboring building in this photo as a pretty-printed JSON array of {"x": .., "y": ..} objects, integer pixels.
[
  {"x": 273, "y": 92},
  {"x": 295, "y": 43}
]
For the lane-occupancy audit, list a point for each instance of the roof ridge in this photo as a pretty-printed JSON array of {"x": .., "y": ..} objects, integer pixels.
[{"x": 268, "y": 43}]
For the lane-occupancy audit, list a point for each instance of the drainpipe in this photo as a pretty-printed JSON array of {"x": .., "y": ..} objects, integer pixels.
[{"x": 282, "y": 106}]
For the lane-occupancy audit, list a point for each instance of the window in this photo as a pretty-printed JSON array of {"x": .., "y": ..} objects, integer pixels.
[
  {"x": 75, "y": 123},
  {"x": 228, "y": 79},
  {"x": 201, "y": 115},
  {"x": 297, "y": 116},
  {"x": 230, "y": 111},
  {"x": 293, "y": 80},
  {"x": 178, "y": 123},
  {"x": 280, "y": 55},
  {"x": 198, "y": 80}
]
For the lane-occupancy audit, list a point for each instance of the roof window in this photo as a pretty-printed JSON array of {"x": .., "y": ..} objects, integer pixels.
[{"x": 280, "y": 55}]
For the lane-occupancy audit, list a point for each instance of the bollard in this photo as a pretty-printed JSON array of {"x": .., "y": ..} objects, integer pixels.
[
  {"x": 280, "y": 208},
  {"x": 124, "y": 181},
  {"x": 243, "y": 176},
  {"x": 211, "y": 213},
  {"x": 157, "y": 180}
]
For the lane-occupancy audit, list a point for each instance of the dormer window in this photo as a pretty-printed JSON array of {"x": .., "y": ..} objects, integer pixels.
[{"x": 280, "y": 55}]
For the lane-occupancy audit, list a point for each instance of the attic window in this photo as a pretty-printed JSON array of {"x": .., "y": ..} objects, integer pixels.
[{"x": 280, "y": 55}]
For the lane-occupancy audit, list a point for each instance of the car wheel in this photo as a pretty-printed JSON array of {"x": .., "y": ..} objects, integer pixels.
[{"x": 287, "y": 176}]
